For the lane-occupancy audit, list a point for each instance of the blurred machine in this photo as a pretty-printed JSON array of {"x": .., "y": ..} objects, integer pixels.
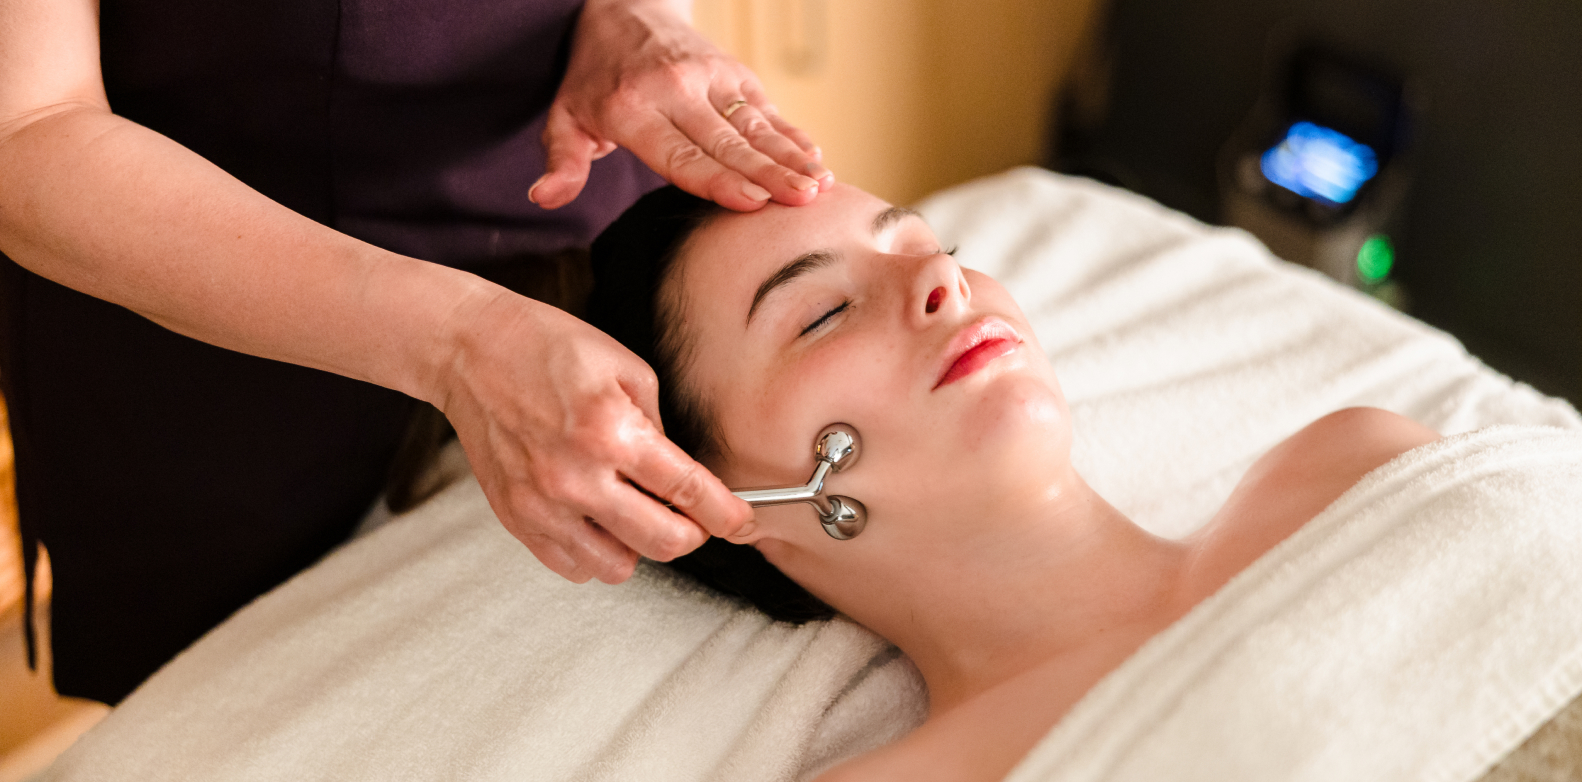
[
  {"x": 1318, "y": 170},
  {"x": 1425, "y": 147}
]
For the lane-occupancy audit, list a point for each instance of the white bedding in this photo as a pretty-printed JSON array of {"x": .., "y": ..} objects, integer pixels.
[
  {"x": 1418, "y": 629},
  {"x": 436, "y": 648}
]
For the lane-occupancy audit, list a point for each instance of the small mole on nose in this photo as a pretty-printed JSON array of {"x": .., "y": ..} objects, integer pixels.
[{"x": 935, "y": 296}]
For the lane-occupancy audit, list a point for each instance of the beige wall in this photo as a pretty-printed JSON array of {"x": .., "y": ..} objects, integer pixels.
[{"x": 908, "y": 96}]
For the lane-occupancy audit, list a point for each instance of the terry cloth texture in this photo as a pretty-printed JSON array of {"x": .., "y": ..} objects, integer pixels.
[
  {"x": 1418, "y": 629},
  {"x": 438, "y": 648}
]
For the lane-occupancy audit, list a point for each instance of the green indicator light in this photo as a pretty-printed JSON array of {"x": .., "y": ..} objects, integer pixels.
[{"x": 1375, "y": 259}]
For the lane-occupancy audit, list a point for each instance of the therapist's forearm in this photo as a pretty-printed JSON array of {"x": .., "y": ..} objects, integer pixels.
[{"x": 117, "y": 211}]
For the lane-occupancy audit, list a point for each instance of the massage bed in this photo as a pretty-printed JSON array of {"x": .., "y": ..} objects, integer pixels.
[{"x": 433, "y": 645}]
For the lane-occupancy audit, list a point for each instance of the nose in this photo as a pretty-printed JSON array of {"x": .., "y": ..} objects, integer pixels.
[{"x": 937, "y": 288}]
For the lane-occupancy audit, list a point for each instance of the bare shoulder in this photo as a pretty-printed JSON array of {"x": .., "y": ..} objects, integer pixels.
[
  {"x": 1300, "y": 477},
  {"x": 1345, "y": 445}
]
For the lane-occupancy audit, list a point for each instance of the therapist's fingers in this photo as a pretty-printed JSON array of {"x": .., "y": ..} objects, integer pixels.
[
  {"x": 798, "y": 136},
  {"x": 647, "y": 527},
  {"x": 556, "y": 558},
  {"x": 598, "y": 551},
  {"x": 664, "y": 470},
  {"x": 674, "y": 156},
  {"x": 756, "y": 129},
  {"x": 571, "y": 543},
  {"x": 806, "y": 157},
  {"x": 726, "y": 143},
  {"x": 570, "y": 152}
]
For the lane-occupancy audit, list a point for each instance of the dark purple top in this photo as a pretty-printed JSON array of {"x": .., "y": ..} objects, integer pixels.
[{"x": 411, "y": 124}]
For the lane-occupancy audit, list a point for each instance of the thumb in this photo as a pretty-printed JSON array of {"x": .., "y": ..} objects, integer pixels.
[{"x": 570, "y": 152}]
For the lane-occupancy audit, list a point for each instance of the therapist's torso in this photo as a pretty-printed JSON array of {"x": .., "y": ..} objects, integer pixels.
[{"x": 411, "y": 124}]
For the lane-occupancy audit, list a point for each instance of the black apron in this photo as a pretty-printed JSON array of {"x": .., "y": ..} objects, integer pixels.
[{"x": 172, "y": 481}]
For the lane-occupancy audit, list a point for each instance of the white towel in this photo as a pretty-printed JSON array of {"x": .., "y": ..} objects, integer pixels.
[
  {"x": 437, "y": 649},
  {"x": 1418, "y": 629}
]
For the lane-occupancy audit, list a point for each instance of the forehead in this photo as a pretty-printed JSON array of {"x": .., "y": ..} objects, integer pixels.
[
  {"x": 736, "y": 250},
  {"x": 835, "y": 214}
]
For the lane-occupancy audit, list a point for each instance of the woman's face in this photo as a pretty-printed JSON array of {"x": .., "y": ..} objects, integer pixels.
[{"x": 848, "y": 310}]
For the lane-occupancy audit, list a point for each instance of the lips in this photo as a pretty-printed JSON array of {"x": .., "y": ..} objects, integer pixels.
[{"x": 975, "y": 347}]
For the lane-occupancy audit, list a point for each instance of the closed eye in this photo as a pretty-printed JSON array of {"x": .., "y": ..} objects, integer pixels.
[{"x": 815, "y": 325}]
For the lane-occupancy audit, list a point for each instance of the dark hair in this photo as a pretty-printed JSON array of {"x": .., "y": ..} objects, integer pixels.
[{"x": 631, "y": 261}]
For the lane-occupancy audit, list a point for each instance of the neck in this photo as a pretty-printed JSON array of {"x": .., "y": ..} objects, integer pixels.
[{"x": 1066, "y": 583}]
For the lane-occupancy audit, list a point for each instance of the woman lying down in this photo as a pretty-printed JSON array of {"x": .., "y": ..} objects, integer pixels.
[{"x": 987, "y": 559}]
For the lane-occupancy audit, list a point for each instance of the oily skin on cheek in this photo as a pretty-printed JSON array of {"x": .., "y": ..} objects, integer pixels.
[
  {"x": 865, "y": 374},
  {"x": 854, "y": 380}
]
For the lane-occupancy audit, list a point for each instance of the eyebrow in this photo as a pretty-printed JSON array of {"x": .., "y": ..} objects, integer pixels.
[
  {"x": 818, "y": 259},
  {"x": 891, "y": 216},
  {"x": 804, "y": 264}
]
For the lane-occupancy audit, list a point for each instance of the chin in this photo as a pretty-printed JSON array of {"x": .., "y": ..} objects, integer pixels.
[
  {"x": 997, "y": 449},
  {"x": 1019, "y": 421}
]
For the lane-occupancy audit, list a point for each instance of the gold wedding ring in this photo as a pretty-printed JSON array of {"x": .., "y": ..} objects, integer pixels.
[{"x": 733, "y": 108}]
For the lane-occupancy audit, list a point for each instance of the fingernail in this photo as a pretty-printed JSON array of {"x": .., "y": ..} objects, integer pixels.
[
  {"x": 818, "y": 171},
  {"x": 817, "y": 153},
  {"x": 531, "y": 190},
  {"x": 746, "y": 529},
  {"x": 803, "y": 183},
  {"x": 754, "y": 192}
]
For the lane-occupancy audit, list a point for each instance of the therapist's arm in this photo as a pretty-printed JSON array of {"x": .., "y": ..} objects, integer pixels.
[{"x": 555, "y": 416}]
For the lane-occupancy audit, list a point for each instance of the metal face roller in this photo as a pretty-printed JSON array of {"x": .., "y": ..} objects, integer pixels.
[{"x": 843, "y": 517}]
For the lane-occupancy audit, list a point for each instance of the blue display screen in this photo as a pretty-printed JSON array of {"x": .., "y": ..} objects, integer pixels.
[{"x": 1320, "y": 163}]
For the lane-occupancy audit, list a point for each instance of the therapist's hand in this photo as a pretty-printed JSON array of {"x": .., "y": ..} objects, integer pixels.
[
  {"x": 558, "y": 421},
  {"x": 641, "y": 77}
]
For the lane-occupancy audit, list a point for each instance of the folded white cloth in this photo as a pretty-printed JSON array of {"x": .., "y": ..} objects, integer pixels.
[
  {"x": 1418, "y": 629},
  {"x": 436, "y": 648}
]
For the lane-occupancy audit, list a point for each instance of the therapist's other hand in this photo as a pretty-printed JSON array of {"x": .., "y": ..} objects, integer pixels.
[
  {"x": 641, "y": 77},
  {"x": 559, "y": 421}
]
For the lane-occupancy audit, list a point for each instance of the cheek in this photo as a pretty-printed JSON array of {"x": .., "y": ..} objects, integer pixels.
[
  {"x": 1021, "y": 416},
  {"x": 772, "y": 425},
  {"x": 1015, "y": 409},
  {"x": 950, "y": 460}
]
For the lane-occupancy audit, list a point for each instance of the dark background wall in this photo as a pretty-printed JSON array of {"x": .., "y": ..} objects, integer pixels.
[{"x": 1490, "y": 243}]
